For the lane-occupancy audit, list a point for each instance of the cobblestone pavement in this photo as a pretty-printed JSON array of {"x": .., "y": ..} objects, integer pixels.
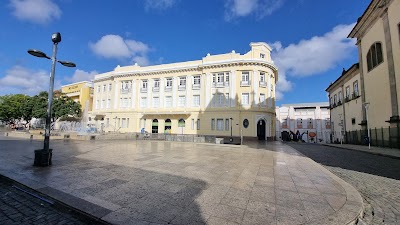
[
  {"x": 369, "y": 174},
  {"x": 18, "y": 207}
]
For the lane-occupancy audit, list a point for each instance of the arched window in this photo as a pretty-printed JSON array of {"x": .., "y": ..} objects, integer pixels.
[
  {"x": 374, "y": 56},
  {"x": 154, "y": 126},
  {"x": 181, "y": 123},
  {"x": 167, "y": 127}
]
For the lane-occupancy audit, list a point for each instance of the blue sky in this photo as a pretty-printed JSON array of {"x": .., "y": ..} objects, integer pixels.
[{"x": 309, "y": 38}]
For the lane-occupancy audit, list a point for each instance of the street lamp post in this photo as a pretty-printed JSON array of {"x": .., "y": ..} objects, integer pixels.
[
  {"x": 366, "y": 106},
  {"x": 43, "y": 156}
]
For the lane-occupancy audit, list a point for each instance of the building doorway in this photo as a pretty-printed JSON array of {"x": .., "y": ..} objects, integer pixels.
[
  {"x": 261, "y": 129},
  {"x": 167, "y": 128},
  {"x": 154, "y": 126},
  {"x": 181, "y": 125}
]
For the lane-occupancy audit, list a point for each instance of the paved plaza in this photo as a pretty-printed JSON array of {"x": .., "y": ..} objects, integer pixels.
[{"x": 150, "y": 182}]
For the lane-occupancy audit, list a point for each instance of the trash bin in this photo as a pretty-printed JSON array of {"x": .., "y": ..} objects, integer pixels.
[{"x": 43, "y": 158}]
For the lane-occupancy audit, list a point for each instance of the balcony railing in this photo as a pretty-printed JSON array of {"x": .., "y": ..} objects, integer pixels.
[
  {"x": 182, "y": 87},
  {"x": 244, "y": 83},
  {"x": 168, "y": 88},
  {"x": 126, "y": 91},
  {"x": 356, "y": 95},
  {"x": 347, "y": 99},
  {"x": 143, "y": 90},
  {"x": 196, "y": 86},
  {"x": 263, "y": 84},
  {"x": 156, "y": 89},
  {"x": 339, "y": 102}
]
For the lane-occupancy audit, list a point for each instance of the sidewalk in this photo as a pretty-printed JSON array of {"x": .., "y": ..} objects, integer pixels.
[
  {"x": 389, "y": 152},
  {"x": 128, "y": 182}
]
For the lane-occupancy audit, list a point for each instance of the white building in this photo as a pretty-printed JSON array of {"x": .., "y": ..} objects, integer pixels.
[{"x": 309, "y": 122}]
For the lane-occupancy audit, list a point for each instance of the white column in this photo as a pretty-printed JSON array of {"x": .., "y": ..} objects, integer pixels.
[
  {"x": 117, "y": 89},
  {"x": 232, "y": 88},
  {"x": 255, "y": 88},
  {"x": 134, "y": 93},
  {"x": 207, "y": 90}
]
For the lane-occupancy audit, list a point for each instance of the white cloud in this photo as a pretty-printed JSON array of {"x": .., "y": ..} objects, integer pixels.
[
  {"x": 158, "y": 4},
  {"x": 81, "y": 75},
  {"x": 242, "y": 8},
  {"x": 313, "y": 56},
  {"x": 22, "y": 80},
  {"x": 35, "y": 11},
  {"x": 114, "y": 46}
]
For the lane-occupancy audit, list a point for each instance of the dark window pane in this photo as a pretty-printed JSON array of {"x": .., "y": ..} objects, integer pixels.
[
  {"x": 374, "y": 58},
  {"x": 379, "y": 52},
  {"x": 369, "y": 60}
]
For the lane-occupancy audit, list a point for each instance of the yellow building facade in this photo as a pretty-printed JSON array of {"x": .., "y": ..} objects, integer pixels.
[
  {"x": 81, "y": 92},
  {"x": 345, "y": 103},
  {"x": 377, "y": 32},
  {"x": 218, "y": 95}
]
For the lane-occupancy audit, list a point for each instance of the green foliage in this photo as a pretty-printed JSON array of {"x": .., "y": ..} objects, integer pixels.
[
  {"x": 15, "y": 107},
  {"x": 19, "y": 106}
]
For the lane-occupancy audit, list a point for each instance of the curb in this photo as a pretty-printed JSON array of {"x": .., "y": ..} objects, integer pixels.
[
  {"x": 372, "y": 153},
  {"x": 59, "y": 205}
]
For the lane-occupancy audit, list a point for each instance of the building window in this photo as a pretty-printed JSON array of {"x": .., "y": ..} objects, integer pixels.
[
  {"x": 347, "y": 93},
  {"x": 340, "y": 97},
  {"x": 227, "y": 100},
  {"x": 143, "y": 102},
  {"x": 328, "y": 123},
  {"x": 245, "y": 98},
  {"x": 198, "y": 124},
  {"x": 310, "y": 123},
  {"x": 168, "y": 85},
  {"x": 245, "y": 78},
  {"x": 262, "y": 100},
  {"x": 353, "y": 120},
  {"x": 300, "y": 123},
  {"x": 182, "y": 83},
  {"x": 144, "y": 86},
  {"x": 108, "y": 103},
  {"x": 107, "y": 122},
  {"x": 374, "y": 56},
  {"x": 227, "y": 78},
  {"x": 355, "y": 89},
  {"x": 331, "y": 102},
  {"x": 182, "y": 101},
  {"x": 109, "y": 87},
  {"x": 104, "y": 88},
  {"x": 124, "y": 102},
  {"x": 168, "y": 101},
  {"x": 103, "y": 104},
  {"x": 262, "y": 55},
  {"x": 226, "y": 124},
  {"x": 220, "y": 77},
  {"x": 156, "y": 87},
  {"x": 123, "y": 124},
  {"x": 335, "y": 99},
  {"x": 156, "y": 102},
  {"x": 98, "y": 89},
  {"x": 192, "y": 124},
  {"x": 181, "y": 123},
  {"x": 196, "y": 100},
  {"x": 212, "y": 124},
  {"x": 196, "y": 82},
  {"x": 97, "y": 104},
  {"x": 220, "y": 124}
]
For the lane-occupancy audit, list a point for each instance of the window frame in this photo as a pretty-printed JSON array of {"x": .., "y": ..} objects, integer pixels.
[{"x": 374, "y": 56}]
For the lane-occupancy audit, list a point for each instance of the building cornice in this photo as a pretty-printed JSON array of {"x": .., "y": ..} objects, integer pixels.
[
  {"x": 373, "y": 12},
  {"x": 346, "y": 75},
  {"x": 186, "y": 68}
]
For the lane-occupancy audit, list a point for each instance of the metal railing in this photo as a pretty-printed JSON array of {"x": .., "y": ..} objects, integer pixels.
[{"x": 380, "y": 137}]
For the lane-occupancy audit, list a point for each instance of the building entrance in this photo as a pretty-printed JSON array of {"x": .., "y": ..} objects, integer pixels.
[
  {"x": 261, "y": 130},
  {"x": 154, "y": 126}
]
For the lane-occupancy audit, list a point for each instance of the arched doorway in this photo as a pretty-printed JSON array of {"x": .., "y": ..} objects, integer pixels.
[
  {"x": 154, "y": 126},
  {"x": 181, "y": 125},
  {"x": 167, "y": 128},
  {"x": 261, "y": 129}
]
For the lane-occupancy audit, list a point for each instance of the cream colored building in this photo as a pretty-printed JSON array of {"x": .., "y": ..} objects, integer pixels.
[
  {"x": 81, "y": 92},
  {"x": 345, "y": 103},
  {"x": 210, "y": 96},
  {"x": 377, "y": 32},
  {"x": 309, "y": 120}
]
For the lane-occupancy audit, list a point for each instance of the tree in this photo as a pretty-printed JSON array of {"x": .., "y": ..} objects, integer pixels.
[{"x": 13, "y": 108}]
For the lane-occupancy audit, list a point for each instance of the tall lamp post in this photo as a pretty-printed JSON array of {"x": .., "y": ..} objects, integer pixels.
[
  {"x": 43, "y": 156},
  {"x": 366, "y": 106}
]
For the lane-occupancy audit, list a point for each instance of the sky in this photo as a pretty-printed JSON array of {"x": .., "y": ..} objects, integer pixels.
[{"x": 309, "y": 38}]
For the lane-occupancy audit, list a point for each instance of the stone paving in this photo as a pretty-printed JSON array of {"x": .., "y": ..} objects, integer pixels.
[
  {"x": 127, "y": 182},
  {"x": 389, "y": 152},
  {"x": 18, "y": 207},
  {"x": 381, "y": 196}
]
